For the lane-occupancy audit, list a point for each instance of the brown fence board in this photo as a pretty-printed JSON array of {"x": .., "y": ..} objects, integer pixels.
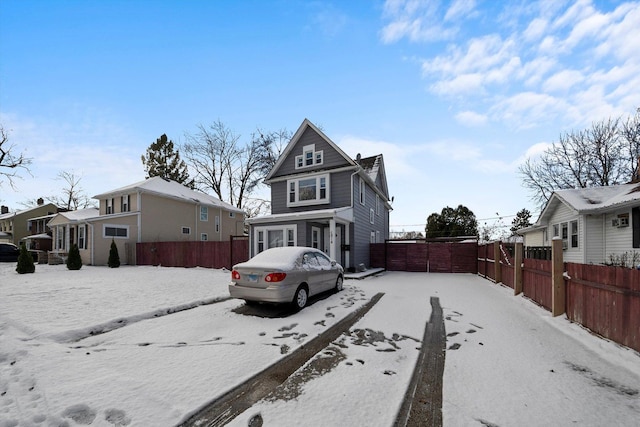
[
  {"x": 536, "y": 281},
  {"x": 437, "y": 257},
  {"x": 193, "y": 254},
  {"x": 606, "y": 300}
]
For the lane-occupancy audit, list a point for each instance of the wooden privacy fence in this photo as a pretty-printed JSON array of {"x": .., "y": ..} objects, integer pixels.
[
  {"x": 604, "y": 299},
  {"x": 194, "y": 254},
  {"x": 425, "y": 256}
]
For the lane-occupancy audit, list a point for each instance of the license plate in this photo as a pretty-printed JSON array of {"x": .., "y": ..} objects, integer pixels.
[{"x": 252, "y": 277}]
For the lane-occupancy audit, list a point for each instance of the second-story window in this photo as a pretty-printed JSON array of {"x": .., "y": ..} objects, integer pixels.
[
  {"x": 362, "y": 191},
  {"x": 125, "y": 205},
  {"x": 204, "y": 213},
  {"x": 110, "y": 206},
  {"x": 310, "y": 190}
]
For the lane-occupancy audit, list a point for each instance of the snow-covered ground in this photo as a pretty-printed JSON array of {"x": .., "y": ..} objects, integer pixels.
[{"x": 148, "y": 346}]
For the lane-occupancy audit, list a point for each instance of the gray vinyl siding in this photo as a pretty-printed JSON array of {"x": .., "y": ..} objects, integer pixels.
[
  {"x": 340, "y": 195},
  {"x": 565, "y": 214},
  {"x": 363, "y": 227},
  {"x": 594, "y": 239},
  {"x": 618, "y": 240},
  {"x": 331, "y": 158}
]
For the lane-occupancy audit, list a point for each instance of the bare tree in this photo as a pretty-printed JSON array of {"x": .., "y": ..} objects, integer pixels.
[
  {"x": 73, "y": 197},
  {"x": 229, "y": 168},
  {"x": 605, "y": 154},
  {"x": 9, "y": 161}
]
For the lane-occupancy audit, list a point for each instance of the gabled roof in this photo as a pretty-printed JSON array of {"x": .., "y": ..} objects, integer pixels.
[
  {"x": 374, "y": 167},
  {"x": 170, "y": 189},
  {"x": 594, "y": 199},
  {"x": 74, "y": 216},
  {"x": 294, "y": 140},
  {"x": 25, "y": 211}
]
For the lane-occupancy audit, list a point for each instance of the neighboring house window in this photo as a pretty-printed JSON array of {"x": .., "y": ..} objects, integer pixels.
[
  {"x": 109, "y": 206},
  {"x": 545, "y": 237},
  {"x": 556, "y": 230},
  {"x": 378, "y": 237},
  {"x": 372, "y": 216},
  {"x": 565, "y": 234},
  {"x": 362, "y": 189},
  {"x": 217, "y": 224},
  {"x": 274, "y": 237},
  {"x": 204, "y": 237},
  {"x": 309, "y": 157},
  {"x": 125, "y": 206},
  {"x": 115, "y": 231},
  {"x": 204, "y": 213},
  {"x": 574, "y": 234},
  {"x": 186, "y": 230},
  {"x": 372, "y": 238},
  {"x": 308, "y": 191},
  {"x": 377, "y": 205},
  {"x": 232, "y": 214},
  {"x": 60, "y": 237},
  {"x": 82, "y": 237}
]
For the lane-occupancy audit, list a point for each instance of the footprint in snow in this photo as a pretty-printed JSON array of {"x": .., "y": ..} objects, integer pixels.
[
  {"x": 80, "y": 413},
  {"x": 117, "y": 417}
]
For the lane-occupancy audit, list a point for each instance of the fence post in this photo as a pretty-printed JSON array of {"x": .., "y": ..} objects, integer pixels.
[
  {"x": 517, "y": 268},
  {"x": 496, "y": 262},
  {"x": 558, "y": 291}
]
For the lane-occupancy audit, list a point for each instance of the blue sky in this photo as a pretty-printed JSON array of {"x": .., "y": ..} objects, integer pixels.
[{"x": 455, "y": 94}]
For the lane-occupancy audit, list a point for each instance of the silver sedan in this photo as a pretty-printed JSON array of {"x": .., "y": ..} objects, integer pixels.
[{"x": 285, "y": 275}]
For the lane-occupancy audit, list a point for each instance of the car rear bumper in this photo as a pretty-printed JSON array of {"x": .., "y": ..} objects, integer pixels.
[{"x": 275, "y": 294}]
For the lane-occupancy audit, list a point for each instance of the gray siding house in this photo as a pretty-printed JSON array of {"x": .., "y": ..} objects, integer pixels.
[{"x": 322, "y": 198}]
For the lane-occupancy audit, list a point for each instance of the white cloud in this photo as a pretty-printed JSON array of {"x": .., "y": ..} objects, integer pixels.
[
  {"x": 460, "y": 9},
  {"x": 416, "y": 20},
  {"x": 535, "y": 30},
  {"x": 562, "y": 81},
  {"x": 471, "y": 118}
]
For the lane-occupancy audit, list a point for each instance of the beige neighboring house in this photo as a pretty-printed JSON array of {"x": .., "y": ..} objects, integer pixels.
[
  {"x": 15, "y": 226},
  {"x": 153, "y": 210}
]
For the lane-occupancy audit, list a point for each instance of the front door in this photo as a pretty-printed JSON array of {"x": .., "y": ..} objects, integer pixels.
[{"x": 326, "y": 244}]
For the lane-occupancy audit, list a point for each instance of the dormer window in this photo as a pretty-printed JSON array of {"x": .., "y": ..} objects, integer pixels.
[{"x": 309, "y": 157}]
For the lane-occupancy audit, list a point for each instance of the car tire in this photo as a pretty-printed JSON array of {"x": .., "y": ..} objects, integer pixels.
[
  {"x": 339, "y": 284},
  {"x": 301, "y": 298}
]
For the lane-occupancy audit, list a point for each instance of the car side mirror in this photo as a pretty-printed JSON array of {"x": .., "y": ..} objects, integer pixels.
[{"x": 333, "y": 263}]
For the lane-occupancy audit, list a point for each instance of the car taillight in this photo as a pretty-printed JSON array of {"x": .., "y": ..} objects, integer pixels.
[
  {"x": 235, "y": 275},
  {"x": 275, "y": 277}
]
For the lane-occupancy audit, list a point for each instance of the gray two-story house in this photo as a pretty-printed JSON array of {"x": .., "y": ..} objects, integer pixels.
[{"x": 324, "y": 199}]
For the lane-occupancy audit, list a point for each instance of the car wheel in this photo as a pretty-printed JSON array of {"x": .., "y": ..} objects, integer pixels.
[
  {"x": 339, "y": 284},
  {"x": 300, "y": 298}
]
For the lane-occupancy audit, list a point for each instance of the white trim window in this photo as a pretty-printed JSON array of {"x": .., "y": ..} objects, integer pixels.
[
  {"x": 110, "y": 206},
  {"x": 362, "y": 191},
  {"x": 310, "y": 190},
  {"x": 309, "y": 157},
  {"x": 186, "y": 230},
  {"x": 204, "y": 237},
  {"x": 217, "y": 222},
  {"x": 274, "y": 237},
  {"x": 377, "y": 204},
  {"x": 574, "y": 234},
  {"x": 115, "y": 231},
  {"x": 204, "y": 213},
  {"x": 372, "y": 238},
  {"x": 82, "y": 237},
  {"x": 372, "y": 216},
  {"x": 315, "y": 237},
  {"x": 125, "y": 204},
  {"x": 60, "y": 232}
]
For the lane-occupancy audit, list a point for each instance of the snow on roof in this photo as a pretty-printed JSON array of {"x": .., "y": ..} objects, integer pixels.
[
  {"x": 600, "y": 198},
  {"x": 12, "y": 214},
  {"x": 81, "y": 214},
  {"x": 172, "y": 189}
]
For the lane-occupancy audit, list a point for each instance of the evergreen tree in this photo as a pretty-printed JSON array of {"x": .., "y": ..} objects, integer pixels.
[
  {"x": 522, "y": 220},
  {"x": 25, "y": 261},
  {"x": 452, "y": 223},
  {"x": 114, "y": 258},
  {"x": 163, "y": 161},
  {"x": 74, "y": 261}
]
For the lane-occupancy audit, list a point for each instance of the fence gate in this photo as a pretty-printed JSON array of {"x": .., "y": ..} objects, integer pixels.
[{"x": 425, "y": 256}]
